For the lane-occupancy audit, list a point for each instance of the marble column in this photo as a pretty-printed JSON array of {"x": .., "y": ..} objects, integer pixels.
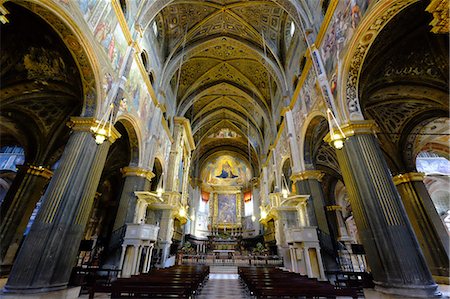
[
  {"x": 46, "y": 258},
  {"x": 136, "y": 179},
  {"x": 17, "y": 208},
  {"x": 430, "y": 231},
  {"x": 395, "y": 258}
]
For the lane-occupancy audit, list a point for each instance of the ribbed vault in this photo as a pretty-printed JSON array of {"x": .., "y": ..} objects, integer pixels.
[{"x": 224, "y": 68}]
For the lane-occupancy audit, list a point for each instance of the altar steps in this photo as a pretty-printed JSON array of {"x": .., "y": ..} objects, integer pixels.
[{"x": 223, "y": 269}]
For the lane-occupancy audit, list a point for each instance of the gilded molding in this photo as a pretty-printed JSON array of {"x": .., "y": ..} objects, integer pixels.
[
  {"x": 84, "y": 124},
  {"x": 362, "y": 40},
  {"x": 356, "y": 128},
  {"x": 137, "y": 171},
  {"x": 306, "y": 175},
  {"x": 187, "y": 130},
  {"x": 40, "y": 171},
  {"x": 408, "y": 177},
  {"x": 333, "y": 208},
  {"x": 122, "y": 21},
  {"x": 360, "y": 127},
  {"x": 326, "y": 21},
  {"x": 439, "y": 9}
]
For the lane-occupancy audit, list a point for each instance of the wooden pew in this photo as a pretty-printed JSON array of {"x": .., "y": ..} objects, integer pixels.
[
  {"x": 173, "y": 282},
  {"x": 276, "y": 283}
]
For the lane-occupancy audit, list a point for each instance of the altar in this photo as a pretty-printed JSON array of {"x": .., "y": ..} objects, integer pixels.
[{"x": 222, "y": 254}]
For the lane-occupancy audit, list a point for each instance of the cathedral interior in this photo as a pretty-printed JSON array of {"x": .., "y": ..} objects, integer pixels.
[{"x": 305, "y": 138}]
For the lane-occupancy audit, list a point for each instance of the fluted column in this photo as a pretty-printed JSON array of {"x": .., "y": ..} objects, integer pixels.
[
  {"x": 430, "y": 231},
  {"x": 136, "y": 179},
  {"x": 17, "y": 208},
  {"x": 48, "y": 253},
  {"x": 397, "y": 262}
]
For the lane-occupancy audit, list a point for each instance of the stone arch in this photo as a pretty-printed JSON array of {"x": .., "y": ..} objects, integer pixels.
[
  {"x": 297, "y": 13},
  {"x": 134, "y": 135},
  {"x": 399, "y": 79},
  {"x": 79, "y": 46},
  {"x": 383, "y": 11},
  {"x": 316, "y": 153},
  {"x": 286, "y": 171},
  {"x": 173, "y": 61},
  {"x": 158, "y": 171},
  {"x": 307, "y": 132}
]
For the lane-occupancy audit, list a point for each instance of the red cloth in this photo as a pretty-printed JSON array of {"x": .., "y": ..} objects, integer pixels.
[
  {"x": 247, "y": 196},
  {"x": 205, "y": 196}
]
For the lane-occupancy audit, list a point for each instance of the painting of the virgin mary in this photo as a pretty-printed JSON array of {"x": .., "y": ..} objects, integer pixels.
[{"x": 226, "y": 172}]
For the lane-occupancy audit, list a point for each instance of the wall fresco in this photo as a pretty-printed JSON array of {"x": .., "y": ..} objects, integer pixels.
[
  {"x": 102, "y": 20},
  {"x": 226, "y": 170}
]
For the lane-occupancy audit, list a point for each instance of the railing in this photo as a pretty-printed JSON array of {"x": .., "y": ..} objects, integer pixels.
[
  {"x": 351, "y": 280},
  {"x": 235, "y": 260}
]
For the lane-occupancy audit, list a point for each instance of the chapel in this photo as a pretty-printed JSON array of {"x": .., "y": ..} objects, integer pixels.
[{"x": 224, "y": 149}]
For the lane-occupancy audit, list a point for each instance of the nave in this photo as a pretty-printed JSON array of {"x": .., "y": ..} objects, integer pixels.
[{"x": 164, "y": 136}]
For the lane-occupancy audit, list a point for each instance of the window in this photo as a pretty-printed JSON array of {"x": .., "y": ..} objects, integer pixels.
[
  {"x": 11, "y": 156},
  {"x": 202, "y": 206},
  {"x": 155, "y": 28},
  {"x": 248, "y": 208},
  {"x": 292, "y": 29}
]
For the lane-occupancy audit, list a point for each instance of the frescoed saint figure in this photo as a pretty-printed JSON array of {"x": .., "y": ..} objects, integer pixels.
[{"x": 226, "y": 172}]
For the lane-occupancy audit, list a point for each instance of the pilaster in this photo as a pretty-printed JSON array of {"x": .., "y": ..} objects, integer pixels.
[
  {"x": 293, "y": 145},
  {"x": 397, "y": 263},
  {"x": 428, "y": 227}
]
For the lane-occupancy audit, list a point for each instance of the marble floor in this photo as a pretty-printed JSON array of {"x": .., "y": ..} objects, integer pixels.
[{"x": 223, "y": 286}]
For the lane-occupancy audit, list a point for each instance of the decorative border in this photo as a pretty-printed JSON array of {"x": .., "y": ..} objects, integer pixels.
[
  {"x": 56, "y": 18},
  {"x": 361, "y": 42}
]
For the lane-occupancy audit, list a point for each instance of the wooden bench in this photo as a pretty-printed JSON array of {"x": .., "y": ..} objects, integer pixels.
[
  {"x": 276, "y": 283},
  {"x": 173, "y": 282}
]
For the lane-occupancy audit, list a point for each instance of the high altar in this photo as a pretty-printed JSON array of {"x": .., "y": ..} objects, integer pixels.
[{"x": 225, "y": 179}]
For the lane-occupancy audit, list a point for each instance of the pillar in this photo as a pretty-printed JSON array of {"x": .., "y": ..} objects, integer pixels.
[
  {"x": 136, "y": 178},
  {"x": 165, "y": 234},
  {"x": 430, "y": 231},
  {"x": 308, "y": 182},
  {"x": 397, "y": 262},
  {"x": 49, "y": 252},
  {"x": 122, "y": 258},
  {"x": 17, "y": 208}
]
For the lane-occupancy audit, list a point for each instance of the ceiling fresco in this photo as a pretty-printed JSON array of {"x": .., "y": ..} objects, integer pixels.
[{"x": 224, "y": 62}]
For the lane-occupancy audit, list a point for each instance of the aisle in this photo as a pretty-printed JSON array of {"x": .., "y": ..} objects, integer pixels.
[{"x": 223, "y": 283}]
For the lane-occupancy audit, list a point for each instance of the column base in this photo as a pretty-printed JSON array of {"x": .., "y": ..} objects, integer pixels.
[
  {"x": 381, "y": 292},
  {"x": 68, "y": 293}
]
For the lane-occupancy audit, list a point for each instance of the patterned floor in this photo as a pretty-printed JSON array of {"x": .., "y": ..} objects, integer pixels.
[{"x": 222, "y": 286}]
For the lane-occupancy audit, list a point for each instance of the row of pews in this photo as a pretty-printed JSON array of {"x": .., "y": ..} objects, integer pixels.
[
  {"x": 276, "y": 283},
  {"x": 173, "y": 282}
]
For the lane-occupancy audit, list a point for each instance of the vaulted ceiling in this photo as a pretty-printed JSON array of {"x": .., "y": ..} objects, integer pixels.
[{"x": 224, "y": 61}]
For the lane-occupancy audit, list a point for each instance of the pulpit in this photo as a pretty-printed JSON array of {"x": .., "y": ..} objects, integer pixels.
[{"x": 137, "y": 245}]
